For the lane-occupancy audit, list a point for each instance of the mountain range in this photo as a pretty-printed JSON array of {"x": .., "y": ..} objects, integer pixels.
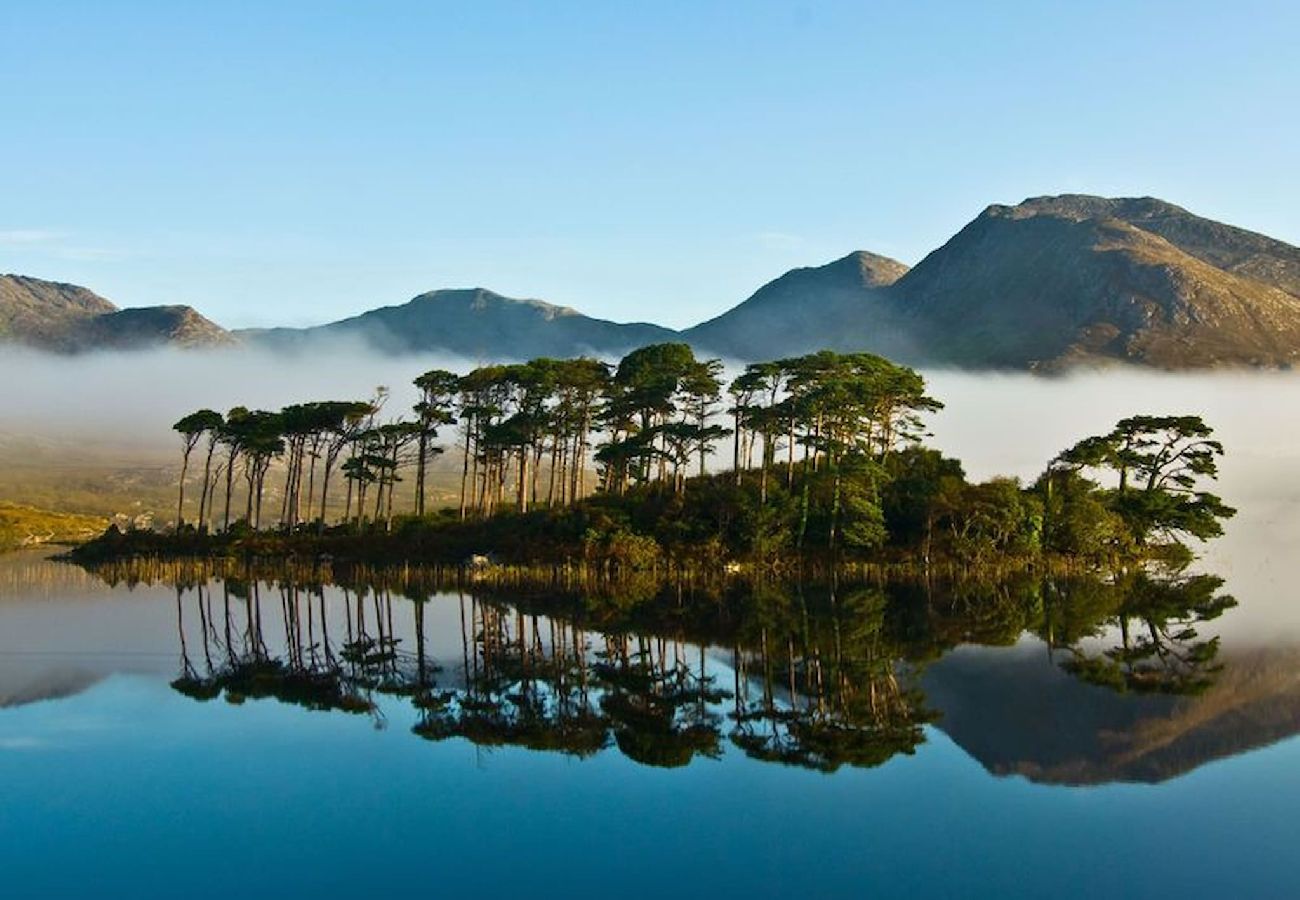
[{"x": 1049, "y": 283}]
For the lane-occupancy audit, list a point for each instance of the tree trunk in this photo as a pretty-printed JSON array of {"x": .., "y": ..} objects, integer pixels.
[
  {"x": 735, "y": 445},
  {"x": 207, "y": 477},
  {"x": 180, "y": 502},
  {"x": 311, "y": 476},
  {"x": 230, "y": 479},
  {"x": 524, "y": 454},
  {"x": 421, "y": 452},
  {"x": 555, "y": 465},
  {"x": 464, "y": 471},
  {"x": 789, "y": 463},
  {"x": 324, "y": 493}
]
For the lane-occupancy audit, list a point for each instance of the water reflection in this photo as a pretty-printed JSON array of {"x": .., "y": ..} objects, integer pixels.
[
  {"x": 1158, "y": 648},
  {"x": 815, "y": 676}
]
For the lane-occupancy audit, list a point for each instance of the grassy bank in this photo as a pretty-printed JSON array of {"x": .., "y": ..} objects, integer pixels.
[{"x": 25, "y": 526}]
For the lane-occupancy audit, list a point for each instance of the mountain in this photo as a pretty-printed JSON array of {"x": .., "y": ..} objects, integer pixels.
[
  {"x": 50, "y": 315},
  {"x": 1017, "y": 713},
  {"x": 1056, "y": 281},
  {"x": 40, "y": 312},
  {"x": 144, "y": 326},
  {"x": 1225, "y": 247},
  {"x": 840, "y": 305},
  {"x": 476, "y": 324},
  {"x": 1046, "y": 284}
]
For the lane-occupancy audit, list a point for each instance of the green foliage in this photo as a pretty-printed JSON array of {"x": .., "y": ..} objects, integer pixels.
[
  {"x": 917, "y": 478},
  {"x": 995, "y": 518},
  {"x": 1158, "y": 463},
  {"x": 1150, "y": 623},
  {"x": 828, "y": 465},
  {"x": 1078, "y": 519},
  {"x": 625, "y": 549}
]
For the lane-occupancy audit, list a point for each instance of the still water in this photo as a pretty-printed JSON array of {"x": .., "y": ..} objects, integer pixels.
[
  {"x": 168, "y": 731},
  {"x": 283, "y": 737}
]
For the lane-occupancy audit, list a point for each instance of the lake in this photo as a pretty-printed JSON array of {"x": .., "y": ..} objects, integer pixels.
[{"x": 168, "y": 730}]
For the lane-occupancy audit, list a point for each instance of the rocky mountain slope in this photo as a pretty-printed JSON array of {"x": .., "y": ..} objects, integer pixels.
[
  {"x": 841, "y": 305},
  {"x": 66, "y": 318},
  {"x": 1049, "y": 283},
  {"x": 1062, "y": 280}
]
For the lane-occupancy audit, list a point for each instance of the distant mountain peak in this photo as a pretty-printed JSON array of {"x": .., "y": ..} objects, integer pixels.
[
  {"x": 876, "y": 270},
  {"x": 481, "y": 300},
  {"x": 53, "y": 315},
  {"x": 829, "y": 306},
  {"x": 1058, "y": 281},
  {"x": 143, "y": 326},
  {"x": 477, "y": 323},
  {"x": 1079, "y": 207}
]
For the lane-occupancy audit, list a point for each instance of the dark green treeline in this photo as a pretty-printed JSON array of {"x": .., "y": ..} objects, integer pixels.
[{"x": 658, "y": 456}]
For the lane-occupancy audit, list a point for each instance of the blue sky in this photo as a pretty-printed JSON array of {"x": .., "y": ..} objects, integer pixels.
[{"x": 298, "y": 162}]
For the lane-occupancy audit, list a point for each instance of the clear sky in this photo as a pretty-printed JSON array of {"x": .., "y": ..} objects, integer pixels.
[{"x": 297, "y": 162}]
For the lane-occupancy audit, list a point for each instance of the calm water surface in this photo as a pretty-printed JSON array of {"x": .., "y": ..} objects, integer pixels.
[{"x": 247, "y": 735}]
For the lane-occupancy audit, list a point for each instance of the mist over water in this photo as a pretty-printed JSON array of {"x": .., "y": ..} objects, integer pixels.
[
  {"x": 133, "y": 398},
  {"x": 1013, "y": 424},
  {"x": 997, "y": 424}
]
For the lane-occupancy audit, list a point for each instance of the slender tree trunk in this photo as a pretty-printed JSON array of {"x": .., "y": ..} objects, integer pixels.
[
  {"x": 735, "y": 444},
  {"x": 206, "y": 524},
  {"x": 835, "y": 508},
  {"x": 421, "y": 452},
  {"x": 464, "y": 471},
  {"x": 347, "y": 506},
  {"x": 288, "y": 484},
  {"x": 524, "y": 458},
  {"x": 324, "y": 492},
  {"x": 180, "y": 502},
  {"x": 379, "y": 497},
  {"x": 536, "y": 473},
  {"x": 230, "y": 479},
  {"x": 388, "y": 511},
  {"x": 311, "y": 476},
  {"x": 576, "y": 473},
  {"x": 257, "y": 510},
  {"x": 789, "y": 464},
  {"x": 555, "y": 465},
  {"x": 207, "y": 477}
]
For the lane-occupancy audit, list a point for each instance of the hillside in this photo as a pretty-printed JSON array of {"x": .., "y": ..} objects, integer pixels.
[
  {"x": 25, "y": 526},
  {"x": 50, "y": 315},
  {"x": 476, "y": 324},
  {"x": 841, "y": 305},
  {"x": 179, "y": 326},
  {"x": 1047, "y": 284},
  {"x": 41, "y": 312},
  {"x": 1226, "y": 247}
]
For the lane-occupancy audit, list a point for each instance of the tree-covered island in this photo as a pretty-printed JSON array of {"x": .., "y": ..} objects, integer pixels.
[{"x": 659, "y": 463}]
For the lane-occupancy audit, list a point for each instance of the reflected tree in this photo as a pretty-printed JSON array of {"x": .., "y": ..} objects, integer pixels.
[{"x": 1144, "y": 635}]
